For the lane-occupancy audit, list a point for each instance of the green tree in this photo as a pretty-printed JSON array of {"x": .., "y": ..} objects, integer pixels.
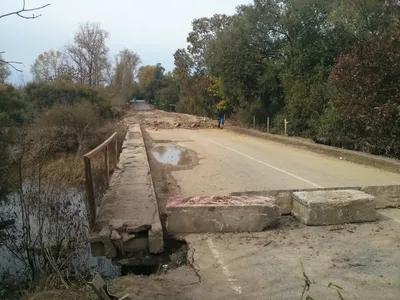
[
  {"x": 367, "y": 98},
  {"x": 50, "y": 66}
]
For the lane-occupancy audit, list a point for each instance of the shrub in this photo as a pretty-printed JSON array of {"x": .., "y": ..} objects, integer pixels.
[
  {"x": 368, "y": 99},
  {"x": 64, "y": 128}
]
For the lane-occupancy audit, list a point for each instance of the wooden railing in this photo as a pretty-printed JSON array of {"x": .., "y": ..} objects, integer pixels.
[{"x": 105, "y": 146}]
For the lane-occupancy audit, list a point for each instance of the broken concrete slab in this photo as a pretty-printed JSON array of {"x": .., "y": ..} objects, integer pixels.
[
  {"x": 386, "y": 196},
  {"x": 130, "y": 204},
  {"x": 136, "y": 245},
  {"x": 333, "y": 207},
  {"x": 156, "y": 240},
  {"x": 221, "y": 214}
]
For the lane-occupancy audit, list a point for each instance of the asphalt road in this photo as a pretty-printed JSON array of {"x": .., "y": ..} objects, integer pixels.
[
  {"x": 363, "y": 259},
  {"x": 228, "y": 162}
]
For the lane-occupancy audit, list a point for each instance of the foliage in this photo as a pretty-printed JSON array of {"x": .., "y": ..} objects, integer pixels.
[
  {"x": 51, "y": 66},
  {"x": 273, "y": 58},
  {"x": 44, "y": 95},
  {"x": 145, "y": 76},
  {"x": 65, "y": 127},
  {"x": 12, "y": 106},
  {"x": 367, "y": 99}
]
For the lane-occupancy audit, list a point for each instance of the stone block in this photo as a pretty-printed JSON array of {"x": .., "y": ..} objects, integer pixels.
[
  {"x": 283, "y": 198},
  {"x": 136, "y": 245},
  {"x": 333, "y": 207},
  {"x": 97, "y": 249},
  {"x": 387, "y": 196},
  {"x": 222, "y": 214},
  {"x": 156, "y": 240}
]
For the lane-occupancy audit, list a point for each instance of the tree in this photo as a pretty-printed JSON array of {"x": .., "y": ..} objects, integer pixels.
[
  {"x": 246, "y": 59},
  {"x": 22, "y": 14},
  {"x": 203, "y": 32},
  {"x": 127, "y": 63},
  {"x": 145, "y": 76},
  {"x": 367, "y": 100},
  {"x": 50, "y": 66},
  {"x": 4, "y": 71},
  {"x": 88, "y": 56}
]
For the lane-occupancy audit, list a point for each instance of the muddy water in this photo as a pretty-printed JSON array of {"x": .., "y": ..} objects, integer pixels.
[
  {"x": 12, "y": 268},
  {"x": 171, "y": 154}
]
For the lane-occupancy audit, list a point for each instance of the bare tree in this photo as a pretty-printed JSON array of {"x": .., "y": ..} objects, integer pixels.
[
  {"x": 89, "y": 54},
  {"x": 22, "y": 14},
  {"x": 126, "y": 69}
]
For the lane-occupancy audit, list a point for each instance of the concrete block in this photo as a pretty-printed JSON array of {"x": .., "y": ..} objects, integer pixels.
[
  {"x": 156, "y": 239},
  {"x": 136, "y": 245},
  {"x": 283, "y": 198},
  {"x": 387, "y": 196},
  {"x": 222, "y": 214},
  {"x": 333, "y": 207}
]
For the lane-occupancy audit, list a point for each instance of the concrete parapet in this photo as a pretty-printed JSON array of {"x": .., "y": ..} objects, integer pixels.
[{"x": 128, "y": 219}]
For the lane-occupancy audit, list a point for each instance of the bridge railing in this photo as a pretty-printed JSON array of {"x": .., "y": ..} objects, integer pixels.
[{"x": 103, "y": 147}]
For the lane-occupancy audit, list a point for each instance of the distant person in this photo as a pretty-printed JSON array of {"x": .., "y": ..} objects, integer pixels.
[
  {"x": 134, "y": 99},
  {"x": 220, "y": 118}
]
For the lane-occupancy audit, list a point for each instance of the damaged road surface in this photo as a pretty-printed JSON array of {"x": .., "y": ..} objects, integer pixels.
[{"x": 197, "y": 168}]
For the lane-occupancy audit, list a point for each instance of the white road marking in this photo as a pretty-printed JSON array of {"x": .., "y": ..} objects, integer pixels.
[
  {"x": 236, "y": 288},
  {"x": 268, "y": 165},
  {"x": 285, "y": 172}
]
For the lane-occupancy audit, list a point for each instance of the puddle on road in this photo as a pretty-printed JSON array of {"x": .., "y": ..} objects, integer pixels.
[{"x": 170, "y": 154}]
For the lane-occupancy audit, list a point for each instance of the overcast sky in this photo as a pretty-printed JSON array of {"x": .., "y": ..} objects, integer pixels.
[{"x": 152, "y": 28}]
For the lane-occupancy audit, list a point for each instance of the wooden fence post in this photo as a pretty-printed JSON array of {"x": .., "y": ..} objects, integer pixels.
[
  {"x": 268, "y": 124},
  {"x": 285, "y": 126},
  {"x": 116, "y": 151},
  {"x": 107, "y": 165},
  {"x": 254, "y": 122},
  {"x": 90, "y": 192}
]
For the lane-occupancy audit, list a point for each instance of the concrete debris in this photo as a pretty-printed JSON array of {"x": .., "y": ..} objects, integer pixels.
[
  {"x": 136, "y": 245},
  {"x": 115, "y": 236},
  {"x": 127, "y": 237}
]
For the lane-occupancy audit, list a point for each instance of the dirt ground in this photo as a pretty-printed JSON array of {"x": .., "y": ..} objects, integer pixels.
[{"x": 158, "y": 119}]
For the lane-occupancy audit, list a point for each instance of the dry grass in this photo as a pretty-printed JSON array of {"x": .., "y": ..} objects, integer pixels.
[
  {"x": 68, "y": 169},
  {"x": 72, "y": 293}
]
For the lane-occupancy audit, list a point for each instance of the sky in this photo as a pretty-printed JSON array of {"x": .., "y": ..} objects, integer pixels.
[{"x": 154, "y": 29}]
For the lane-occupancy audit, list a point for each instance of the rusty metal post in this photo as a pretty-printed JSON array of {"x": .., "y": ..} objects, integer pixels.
[
  {"x": 90, "y": 192},
  {"x": 107, "y": 165}
]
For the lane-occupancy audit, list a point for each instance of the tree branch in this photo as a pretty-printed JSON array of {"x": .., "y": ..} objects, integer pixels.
[
  {"x": 24, "y": 10},
  {"x": 11, "y": 63}
]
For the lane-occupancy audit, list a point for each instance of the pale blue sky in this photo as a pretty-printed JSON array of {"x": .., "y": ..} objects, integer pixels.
[{"x": 152, "y": 28}]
